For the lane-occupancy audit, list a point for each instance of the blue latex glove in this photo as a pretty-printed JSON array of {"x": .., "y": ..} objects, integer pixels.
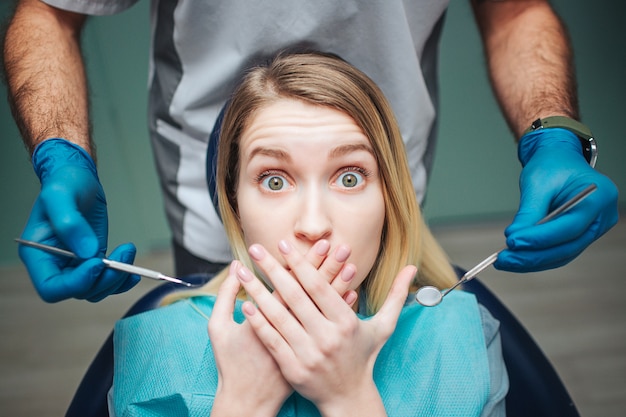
[
  {"x": 70, "y": 212},
  {"x": 554, "y": 170}
]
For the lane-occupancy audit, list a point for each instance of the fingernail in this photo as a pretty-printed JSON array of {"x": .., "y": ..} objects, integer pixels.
[
  {"x": 322, "y": 247},
  {"x": 244, "y": 274},
  {"x": 348, "y": 272},
  {"x": 350, "y": 298},
  {"x": 342, "y": 254},
  {"x": 248, "y": 308},
  {"x": 256, "y": 252},
  {"x": 233, "y": 267},
  {"x": 284, "y": 247}
]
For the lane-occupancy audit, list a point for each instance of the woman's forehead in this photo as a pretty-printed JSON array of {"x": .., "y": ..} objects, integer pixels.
[{"x": 290, "y": 121}]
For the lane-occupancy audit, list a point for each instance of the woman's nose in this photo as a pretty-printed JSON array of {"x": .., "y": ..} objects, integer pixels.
[{"x": 313, "y": 222}]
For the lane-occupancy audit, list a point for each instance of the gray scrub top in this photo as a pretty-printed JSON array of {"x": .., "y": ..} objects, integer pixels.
[{"x": 200, "y": 48}]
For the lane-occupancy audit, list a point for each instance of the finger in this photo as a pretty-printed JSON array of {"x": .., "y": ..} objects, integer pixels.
[
  {"x": 55, "y": 277},
  {"x": 532, "y": 260},
  {"x": 133, "y": 279},
  {"x": 269, "y": 336},
  {"x": 568, "y": 228},
  {"x": 330, "y": 266},
  {"x": 565, "y": 227},
  {"x": 387, "y": 317},
  {"x": 39, "y": 229},
  {"x": 316, "y": 256},
  {"x": 224, "y": 306},
  {"x": 351, "y": 298},
  {"x": 534, "y": 205},
  {"x": 112, "y": 281},
  {"x": 71, "y": 282},
  {"x": 130, "y": 282},
  {"x": 537, "y": 200},
  {"x": 318, "y": 252},
  {"x": 124, "y": 282},
  {"x": 333, "y": 263},
  {"x": 69, "y": 224},
  {"x": 286, "y": 284},
  {"x": 342, "y": 283},
  {"x": 320, "y": 292},
  {"x": 275, "y": 312}
]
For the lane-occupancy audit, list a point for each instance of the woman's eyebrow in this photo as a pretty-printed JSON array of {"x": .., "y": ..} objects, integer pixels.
[
  {"x": 352, "y": 147},
  {"x": 271, "y": 152}
]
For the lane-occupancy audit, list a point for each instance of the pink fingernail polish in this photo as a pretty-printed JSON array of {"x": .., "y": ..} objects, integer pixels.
[
  {"x": 322, "y": 247},
  {"x": 342, "y": 254},
  {"x": 248, "y": 308},
  {"x": 348, "y": 272},
  {"x": 244, "y": 274},
  {"x": 350, "y": 298},
  {"x": 284, "y": 247},
  {"x": 256, "y": 252},
  {"x": 233, "y": 267}
]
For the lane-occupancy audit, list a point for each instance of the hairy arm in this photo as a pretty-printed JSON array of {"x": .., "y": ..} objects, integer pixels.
[
  {"x": 46, "y": 76},
  {"x": 529, "y": 58}
]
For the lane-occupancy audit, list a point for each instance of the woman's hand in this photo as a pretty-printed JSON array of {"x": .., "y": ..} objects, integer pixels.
[
  {"x": 249, "y": 378},
  {"x": 333, "y": 268},
  {"x": 322, "y": 348}
]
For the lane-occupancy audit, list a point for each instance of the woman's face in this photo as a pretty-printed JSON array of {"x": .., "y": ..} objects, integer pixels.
[{"x": 309, "y": 173}]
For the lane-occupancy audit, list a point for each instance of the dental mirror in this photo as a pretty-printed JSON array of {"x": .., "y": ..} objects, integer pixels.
[{"x": 430, "y": 296}]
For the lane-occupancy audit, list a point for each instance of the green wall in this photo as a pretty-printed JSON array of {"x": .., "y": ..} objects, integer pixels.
[{"x": 476, "y": 168}]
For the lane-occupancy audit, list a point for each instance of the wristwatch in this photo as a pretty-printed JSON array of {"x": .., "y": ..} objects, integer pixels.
[{"x": 588, "y": 143}]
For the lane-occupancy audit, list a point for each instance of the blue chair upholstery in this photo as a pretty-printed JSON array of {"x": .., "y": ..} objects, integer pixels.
[{"x": 535, "y": 388}]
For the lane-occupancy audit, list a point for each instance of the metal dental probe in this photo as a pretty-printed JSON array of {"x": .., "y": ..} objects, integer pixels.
[{"x": 120, "y": 266}]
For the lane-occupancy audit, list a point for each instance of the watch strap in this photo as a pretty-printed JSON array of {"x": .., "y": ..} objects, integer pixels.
[{"x": 587, "y": 141}]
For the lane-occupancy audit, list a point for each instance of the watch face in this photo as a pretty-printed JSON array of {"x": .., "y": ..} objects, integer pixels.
[
  {"x": 535, "y": 125},
  {"x": 590, "y": 151}
]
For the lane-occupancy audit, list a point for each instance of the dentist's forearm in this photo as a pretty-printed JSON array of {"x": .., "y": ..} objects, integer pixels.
[
  {"x": 530, "y": 60},
  {"x": 46, "y": 76}
]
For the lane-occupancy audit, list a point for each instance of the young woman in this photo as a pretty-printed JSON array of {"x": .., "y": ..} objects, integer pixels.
[{"x": 314, "y": 316}]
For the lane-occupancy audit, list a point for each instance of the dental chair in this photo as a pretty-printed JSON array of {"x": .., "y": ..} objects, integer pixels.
[{"x": 535, "y": 388}]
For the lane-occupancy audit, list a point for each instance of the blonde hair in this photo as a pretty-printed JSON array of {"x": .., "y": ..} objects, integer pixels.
[{"x": 326, "y": 80}]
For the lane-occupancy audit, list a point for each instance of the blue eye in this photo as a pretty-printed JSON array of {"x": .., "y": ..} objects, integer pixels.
[
  {"x": 350, "y": 179},
  {"x": 274, "y": 182}
]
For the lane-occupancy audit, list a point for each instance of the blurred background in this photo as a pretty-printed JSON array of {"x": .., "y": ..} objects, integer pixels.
[{"x": 576, "y": 313}]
